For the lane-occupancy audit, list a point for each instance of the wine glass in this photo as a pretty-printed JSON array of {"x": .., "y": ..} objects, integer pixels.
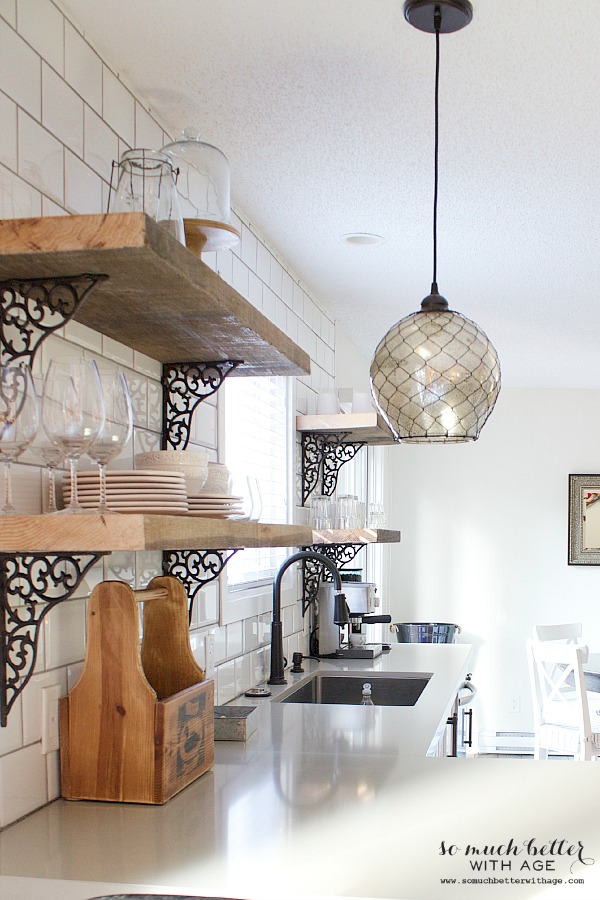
[
  {"x": 73, "y": 412},
  {"x": 19, "y": 421},
  {"x": 117, "y": 428},
  {"x": 48, "y": 453}
]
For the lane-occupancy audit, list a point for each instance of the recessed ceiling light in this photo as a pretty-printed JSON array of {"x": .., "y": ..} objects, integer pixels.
[{"x": 362, "y": 239}]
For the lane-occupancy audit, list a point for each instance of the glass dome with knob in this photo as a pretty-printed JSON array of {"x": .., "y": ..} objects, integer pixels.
[{"x": 203, "y": 185}]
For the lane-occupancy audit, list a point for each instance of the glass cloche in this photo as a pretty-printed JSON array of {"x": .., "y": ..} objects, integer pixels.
[{"x": 203, "y": 184}]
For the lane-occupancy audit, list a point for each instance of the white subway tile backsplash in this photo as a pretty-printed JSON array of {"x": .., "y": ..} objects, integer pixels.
[
  {"x": 40, "y": 157},
  {"x": 118, "y": 107},
  {"x": 23, "y": 784},
  {"x": 240, "y": 276},
  {"x": 138, "y": 391},
  {"x": 298, "y": 300},
  {"x": 291, "y": 325},
  {"x": 83, "y": 188},
  {"x": 8, "y": 132},
  {"x": 287, "y": 289},
  {"x": 8, "y": 10},
  {"x": 204, "y": 425},
  {"x": 225, "y": 683},
  {"x": 255, "y": 290},
  {"x": 83, "y": 68},
  {"x": 73, "y": 674},
  {"x": 276, "y": 278},
  {"x": 32, "y": 700},
  {"x": 53, "y": 775},
  {"x": 118, "y": 352},
  {"x": 17, "y": 198},
  {"x": 248, "y": 247},
  {"x": 263, "y": 263},
  {"x": 242, "y": 674},
  {"x": 235, "y": 639},
  {"x": 225, "y": 265},
  {"x": 281, "y": 312},
  {"x": 120, "y": 567},
  {"x": 269, "y": 303},
  {"x": 20, "y": 69},
  {"x": 50, "y": 208},
  {"x": 154, "y": 406},
  {"x": 64, "y": 633},
  {"x": 62, "y": 110},
  {"x": 83, "y": 336},
  {"x": 148, "y": 565},
  {"x": 220, "y": 645},
  {"x": 250, "y": 627},
  {"x": 11, "y": 737},
  {"x": 147, "y": 133},
  {"x": 41, "y": 23},
  {"x": 101, "y": 145},
  {"x": 146, "y": 365}
]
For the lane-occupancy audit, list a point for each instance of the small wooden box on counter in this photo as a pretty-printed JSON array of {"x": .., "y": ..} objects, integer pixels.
[
  {"x": 138, "y": 726},
  {"x": 233, "y": 723}
]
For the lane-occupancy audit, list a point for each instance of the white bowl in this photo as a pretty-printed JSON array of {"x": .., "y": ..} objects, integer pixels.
[{"x": 166, "y": 458}]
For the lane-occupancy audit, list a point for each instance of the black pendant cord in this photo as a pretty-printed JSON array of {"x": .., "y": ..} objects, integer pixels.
[{"x": 437, "y": 23}]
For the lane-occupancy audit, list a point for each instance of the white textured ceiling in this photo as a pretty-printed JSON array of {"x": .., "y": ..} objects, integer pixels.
[{"x": 324, "y": 109}]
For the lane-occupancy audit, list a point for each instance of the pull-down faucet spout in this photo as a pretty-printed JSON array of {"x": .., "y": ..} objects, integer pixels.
[{"x": 340, "y": 611}]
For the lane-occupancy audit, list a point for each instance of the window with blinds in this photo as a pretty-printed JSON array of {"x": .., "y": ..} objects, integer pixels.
[{"x": 257, "y": 444}]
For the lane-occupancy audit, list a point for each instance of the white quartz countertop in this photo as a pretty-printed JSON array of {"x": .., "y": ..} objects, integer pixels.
[{"x": 330, "y": 802}]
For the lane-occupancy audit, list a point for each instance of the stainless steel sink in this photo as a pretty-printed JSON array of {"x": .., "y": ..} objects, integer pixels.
[{"x": 387, "y": 689}]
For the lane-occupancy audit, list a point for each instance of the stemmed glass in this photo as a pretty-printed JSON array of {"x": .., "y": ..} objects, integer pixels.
[
  {"x": 73, "y": 412},
  {"x": 117, "y": 428},
  {"x": 48, "y": 453},
  {"x": 19, "y": 422}
]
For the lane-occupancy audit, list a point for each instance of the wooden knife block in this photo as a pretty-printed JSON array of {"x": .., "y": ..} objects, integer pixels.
[{"x": 137, "y": 727}]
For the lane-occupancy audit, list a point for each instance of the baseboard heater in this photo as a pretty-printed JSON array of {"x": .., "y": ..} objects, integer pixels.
[{"x": 505, "y": 742}]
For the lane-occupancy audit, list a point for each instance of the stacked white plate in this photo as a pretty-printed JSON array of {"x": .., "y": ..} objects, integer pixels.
[
  {"x": 129, "y": 490},
  {"x": 215, "y": 506}
]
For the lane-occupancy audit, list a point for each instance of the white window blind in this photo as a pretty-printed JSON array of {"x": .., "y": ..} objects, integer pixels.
[{"x": 257, "y": 444}]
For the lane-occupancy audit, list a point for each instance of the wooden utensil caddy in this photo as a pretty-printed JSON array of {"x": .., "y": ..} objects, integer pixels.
[{"x": 138, "y": 726}]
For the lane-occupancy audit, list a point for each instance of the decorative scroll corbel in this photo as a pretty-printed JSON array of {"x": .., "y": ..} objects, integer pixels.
[
  {"x": 30, "y": 586},
  {"x": 323, "y": 455},
  {"x": 33, "y": 308},
  {"x": 195, "y": 568},
  {"x": 314, "y": 571},
  {"x": 185, "y": 385}
]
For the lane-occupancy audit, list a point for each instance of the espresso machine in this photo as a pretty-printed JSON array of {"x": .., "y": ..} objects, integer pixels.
[{"x": 349, "y": 641}]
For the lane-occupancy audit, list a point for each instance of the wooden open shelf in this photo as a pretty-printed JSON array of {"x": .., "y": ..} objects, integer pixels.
[
  {"x": 159, "y": 298},
  {"x": 369, "y": 428},
  {"x": 356, "y": 536},
  {"x": 97, "y": 534}
]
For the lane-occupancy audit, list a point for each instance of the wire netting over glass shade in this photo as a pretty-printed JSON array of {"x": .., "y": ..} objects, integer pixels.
[{"x": 435, "y": 376}]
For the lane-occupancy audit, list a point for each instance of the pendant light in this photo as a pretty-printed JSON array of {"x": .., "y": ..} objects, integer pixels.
[{"x": 435, "y": 376}]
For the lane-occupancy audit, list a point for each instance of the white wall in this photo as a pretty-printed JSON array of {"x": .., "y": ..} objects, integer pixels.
[{"x": 484, "y": 538}]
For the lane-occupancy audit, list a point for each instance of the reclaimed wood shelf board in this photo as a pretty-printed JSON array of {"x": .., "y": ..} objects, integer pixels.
[
  {"x": 94, "y": 533},
  {"x": 356, "y": 536},
  {"x": 159, "y": 298},
  {"x": 369, "y": 428}
]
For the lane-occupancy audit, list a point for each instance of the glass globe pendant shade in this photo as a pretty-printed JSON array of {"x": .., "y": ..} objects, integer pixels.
[{"x": 435, "y": 377}]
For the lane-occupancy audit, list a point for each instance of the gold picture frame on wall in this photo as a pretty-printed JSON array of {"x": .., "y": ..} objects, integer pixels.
[{"x": 584, "y": 520}]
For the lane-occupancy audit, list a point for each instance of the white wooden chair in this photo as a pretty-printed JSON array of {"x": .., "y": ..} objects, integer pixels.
[
  {"x": 567, "y": 718},
  {"x": 570, "y": 633}
]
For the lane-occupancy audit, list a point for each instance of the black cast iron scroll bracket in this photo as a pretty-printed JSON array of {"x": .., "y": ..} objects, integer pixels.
[
  {"x": 314, "y": 571},
  {"x": 185, "y": 385},
  {"x": 323, "y": 455},
  {"x": 30, "y": 586},
  {"x": 195, "y": 568},
  {"x": 33, "y": 308}
]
